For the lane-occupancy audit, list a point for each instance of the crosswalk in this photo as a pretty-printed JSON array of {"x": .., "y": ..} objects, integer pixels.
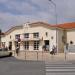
[{"x": 60, "y": 69}]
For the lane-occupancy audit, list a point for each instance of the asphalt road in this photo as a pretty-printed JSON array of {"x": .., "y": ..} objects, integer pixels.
[{"x": 12, "y": 66}]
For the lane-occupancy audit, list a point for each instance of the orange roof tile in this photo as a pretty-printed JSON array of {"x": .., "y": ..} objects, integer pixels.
[{"x": 66, "y": 25}]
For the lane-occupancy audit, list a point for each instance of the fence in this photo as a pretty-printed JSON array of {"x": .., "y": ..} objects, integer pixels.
[
  {"x": 39, "y": 56},
  {"x": 32, "y": 55}
]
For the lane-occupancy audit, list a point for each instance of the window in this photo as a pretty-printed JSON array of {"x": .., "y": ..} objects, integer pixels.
[
  {"x": 10, "y": 45},
  {"x": 26, "y": 35},
  {"x": 17, "y": 36},
  {"x": 36, "y": 45},
  {"x": 16, "y": 44},
  {"x": 26, "y": 45},
  {"x": 35, "y": 35},
  {"x": 10, "y": 36},
  {"x": 46, "y": 33},
  {"x": 3, "y": 44}
]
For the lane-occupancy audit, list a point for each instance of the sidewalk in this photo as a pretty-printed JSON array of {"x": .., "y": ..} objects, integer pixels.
[{"x": 44, "y": 56}]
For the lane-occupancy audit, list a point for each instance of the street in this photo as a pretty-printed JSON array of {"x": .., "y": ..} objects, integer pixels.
[{"x": 13, "y": 66}]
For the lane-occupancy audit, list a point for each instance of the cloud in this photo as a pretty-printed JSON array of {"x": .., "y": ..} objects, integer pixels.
[
  {"x": 71, "y": 9},
  {"x": 15, "y": 12},
  {"x": 16, "y": 6},
  {"x": 3, "y": 1},
  {"x": 7, "y": 20}
]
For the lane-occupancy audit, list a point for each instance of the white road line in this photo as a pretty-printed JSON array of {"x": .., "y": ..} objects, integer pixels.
[
  {"x": 60, "y": 67},
  {"x": 58, "y": 70}
]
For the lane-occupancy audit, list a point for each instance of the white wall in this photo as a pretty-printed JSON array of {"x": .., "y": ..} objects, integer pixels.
[
  {"x": 12, "y": 34},
  {"x": 42, "y": 33},
  {"x": 71, "y": 36},
  {"x": 60, "y": 44}
]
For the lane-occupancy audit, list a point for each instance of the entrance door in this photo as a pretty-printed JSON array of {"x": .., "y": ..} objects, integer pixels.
[
  {"x": 10, "y": 45},
  {"x": 46, "y": 45}
]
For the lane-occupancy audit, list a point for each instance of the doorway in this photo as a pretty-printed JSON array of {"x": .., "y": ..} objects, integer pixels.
[
  {"x": 46, "y": 42},
  {"x": 10, "y": 45}
]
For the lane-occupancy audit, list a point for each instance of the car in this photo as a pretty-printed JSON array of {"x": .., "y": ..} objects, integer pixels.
[
  {"x": 4, "y": 53},
  {"x": 0, "y": 49}
]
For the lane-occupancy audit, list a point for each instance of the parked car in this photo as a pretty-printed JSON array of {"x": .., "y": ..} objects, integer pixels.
[
  {"x": 0, "y": 49},
  {"x": 4, "y": 53}
]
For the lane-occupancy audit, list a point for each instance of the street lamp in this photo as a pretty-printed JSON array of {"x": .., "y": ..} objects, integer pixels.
[
  {"x": 55, "y": 10},
  {"x": 0, "y": 37},
  {"x": 56, "y": 21}
]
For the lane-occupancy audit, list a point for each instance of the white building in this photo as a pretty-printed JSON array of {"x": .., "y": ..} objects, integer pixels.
[{"x": 33, "y": 36}]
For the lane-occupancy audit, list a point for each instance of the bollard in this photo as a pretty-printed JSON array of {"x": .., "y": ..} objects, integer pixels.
[
  {"x": 14, "y": 53},
  {"x": 25, "y": 55},
  {"x": 42, "y": 55},
  {"x": 37, "y": 55},
  {"x": 65, "y": 56}
]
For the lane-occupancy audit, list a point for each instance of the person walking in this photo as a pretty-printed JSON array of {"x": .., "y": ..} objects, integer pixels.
[
  {"x": 17, "y": 50},
  {"x": 53, "y": 50}
]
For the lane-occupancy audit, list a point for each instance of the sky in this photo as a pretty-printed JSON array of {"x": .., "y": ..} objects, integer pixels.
[{"x": 17, "y": 12}]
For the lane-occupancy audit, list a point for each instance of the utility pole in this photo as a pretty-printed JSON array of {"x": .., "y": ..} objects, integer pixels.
[
  {"x": 0, "y": 37},
  {"x": 56, "y": 22}
]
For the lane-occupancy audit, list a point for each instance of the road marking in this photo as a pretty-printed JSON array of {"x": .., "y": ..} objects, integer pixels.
[{"x": 59, "y": 68}]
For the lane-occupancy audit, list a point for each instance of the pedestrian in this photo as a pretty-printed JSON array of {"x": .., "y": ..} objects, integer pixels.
[
  {"x": 67, "y": 46},
  {"x": 17, "y": 50},
  {"x": 10, "y": 47},
  {"x": 51, "y": 52},
  {"x": 44, "y": 47},
  {"x": 53, "y": 49}
]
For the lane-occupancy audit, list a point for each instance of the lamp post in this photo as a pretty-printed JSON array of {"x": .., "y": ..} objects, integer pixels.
[
  {"x": 56, "y": 22},
  {"x": 0, "y": 37},
  {"x": 55, "y": 10}
]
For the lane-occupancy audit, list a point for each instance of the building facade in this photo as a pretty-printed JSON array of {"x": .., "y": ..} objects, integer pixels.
[{"x": 37, "y": 36}]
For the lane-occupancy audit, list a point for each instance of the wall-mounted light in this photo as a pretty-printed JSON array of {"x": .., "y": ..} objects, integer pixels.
[
  {"x": 71, "y": 42},
  {"x": 52, "y": 37}
]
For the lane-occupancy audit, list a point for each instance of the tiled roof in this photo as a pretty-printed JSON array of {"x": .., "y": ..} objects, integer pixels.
[
  {"x": 31, "y": 24},
  {"x": 42, "y": 24},
  {"x": 66, "y": 25},
  {"x": 13, "y": 28}
]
